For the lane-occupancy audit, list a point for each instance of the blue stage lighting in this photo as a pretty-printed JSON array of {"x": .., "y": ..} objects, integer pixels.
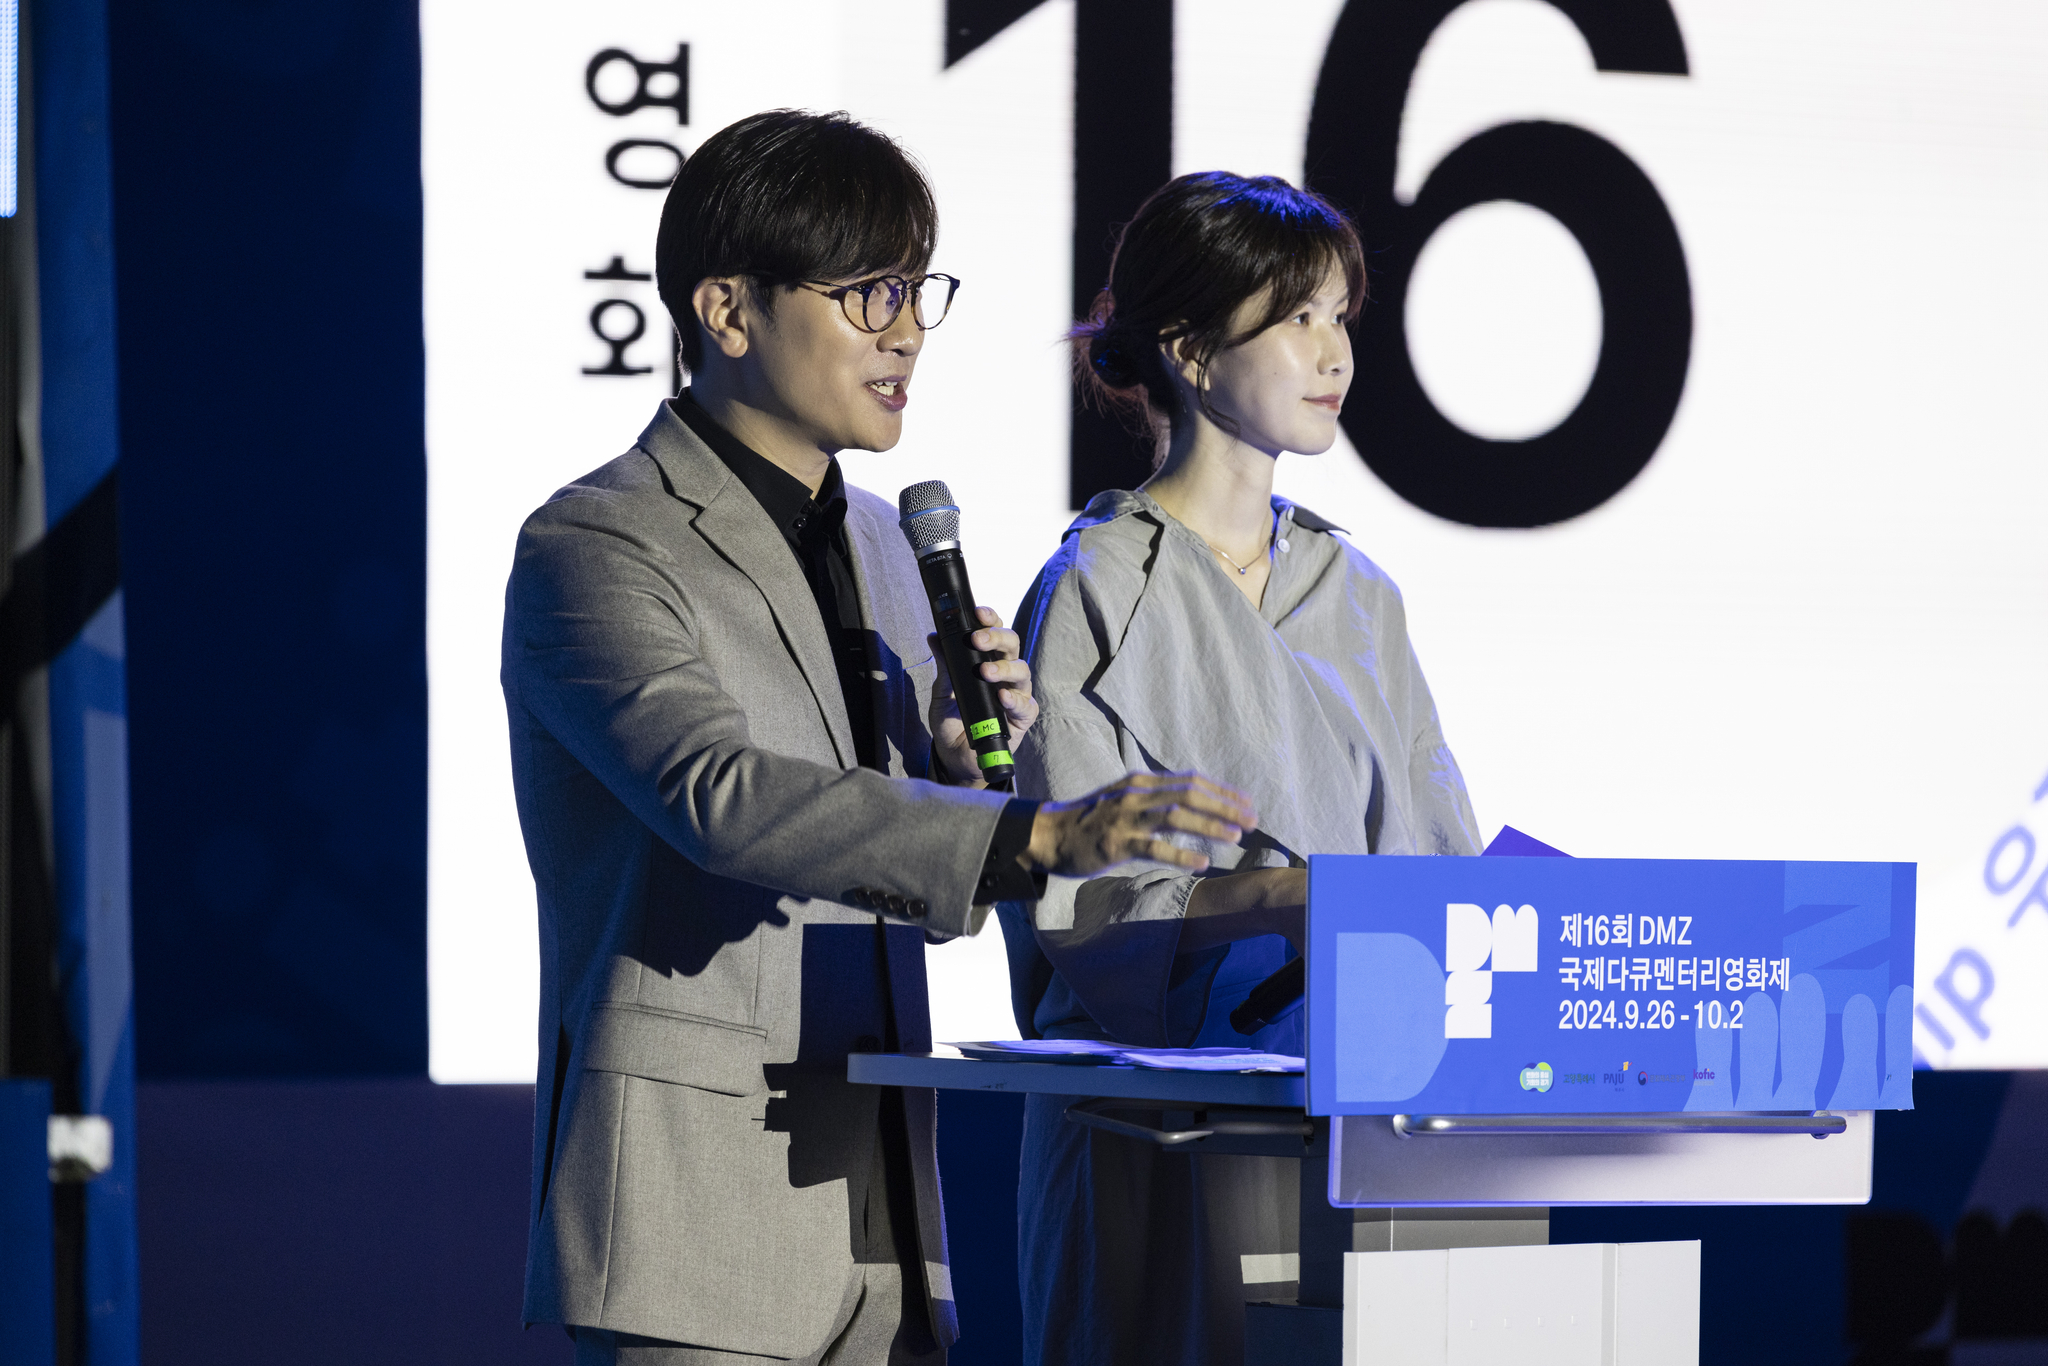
[{"x": 10, "y": 86}]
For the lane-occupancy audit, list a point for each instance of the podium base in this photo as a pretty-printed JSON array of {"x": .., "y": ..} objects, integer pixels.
[
  {"x": 1581, "y": 1304},
  {"x": 1310, "y": 1332}
]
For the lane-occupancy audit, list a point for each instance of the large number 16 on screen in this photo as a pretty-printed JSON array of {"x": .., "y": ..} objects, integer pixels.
[{"x": 1587, "y": 184}]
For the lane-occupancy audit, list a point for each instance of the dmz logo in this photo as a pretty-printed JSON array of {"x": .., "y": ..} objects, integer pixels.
[
  {"x": 1470, "y": 939},
  {"x": 1537, "y": 1078}
]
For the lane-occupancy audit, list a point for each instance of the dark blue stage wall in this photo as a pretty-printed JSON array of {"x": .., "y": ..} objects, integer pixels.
[
  {"x": 306, "y": 1194},
  {"x": 384, "y": 1221},
  {"x": 267, "y": 208}
]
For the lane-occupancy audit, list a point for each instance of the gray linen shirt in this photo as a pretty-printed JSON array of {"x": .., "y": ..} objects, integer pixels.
[{"x": 1147, "y": 657}]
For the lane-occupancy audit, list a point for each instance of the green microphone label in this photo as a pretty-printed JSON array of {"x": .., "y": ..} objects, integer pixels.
[
  {"x": 995, "y": 757},
  {"x": 981, "y": 730}
]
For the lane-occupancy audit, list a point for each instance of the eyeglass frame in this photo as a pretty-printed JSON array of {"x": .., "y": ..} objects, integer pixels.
[{"x": 913, "y": 289}]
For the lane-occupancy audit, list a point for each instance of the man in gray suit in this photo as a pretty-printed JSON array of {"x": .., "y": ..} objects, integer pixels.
[{"x": 748, "y": 800}]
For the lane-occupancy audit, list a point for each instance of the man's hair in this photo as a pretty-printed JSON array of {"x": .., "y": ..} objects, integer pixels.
[{"x": 790, "y": 195}]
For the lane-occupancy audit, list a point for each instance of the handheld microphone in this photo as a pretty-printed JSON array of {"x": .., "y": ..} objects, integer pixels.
[
  {"x": 931, "y": 523},
  {"x": 1273, "y": 998}
]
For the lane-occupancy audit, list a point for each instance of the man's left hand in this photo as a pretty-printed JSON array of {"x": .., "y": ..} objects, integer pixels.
[{"x": 1012, "y": 676}]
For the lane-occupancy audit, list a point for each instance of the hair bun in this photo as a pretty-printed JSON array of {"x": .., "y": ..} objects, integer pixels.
[{"x": 1112, "y": 362}]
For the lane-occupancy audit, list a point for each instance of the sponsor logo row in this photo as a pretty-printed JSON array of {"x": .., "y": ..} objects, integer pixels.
[{"x": 1540, "y": 1077}]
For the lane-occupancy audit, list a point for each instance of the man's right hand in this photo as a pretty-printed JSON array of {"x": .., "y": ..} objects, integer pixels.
[{"x": 1130, "y": 819}]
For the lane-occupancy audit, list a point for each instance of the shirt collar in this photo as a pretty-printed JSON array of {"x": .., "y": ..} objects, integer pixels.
[{"x": 798, "y": 515}]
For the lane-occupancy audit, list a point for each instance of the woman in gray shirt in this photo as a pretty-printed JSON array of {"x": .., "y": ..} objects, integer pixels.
[{"x": 1199, "y": 622}]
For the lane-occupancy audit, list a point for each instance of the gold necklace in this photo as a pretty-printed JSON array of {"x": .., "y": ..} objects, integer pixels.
[{"x": 1242, "y": 569}]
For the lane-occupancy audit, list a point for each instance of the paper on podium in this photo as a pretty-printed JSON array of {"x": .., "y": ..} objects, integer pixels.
[
  {"x": 1096, "y": 1052},
  {"x": 1211, "y": 1060},
  {"x": 1082, "y": 1052}
]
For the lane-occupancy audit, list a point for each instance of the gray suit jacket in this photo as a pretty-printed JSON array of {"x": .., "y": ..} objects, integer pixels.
[{"x": 700, "y": 837}]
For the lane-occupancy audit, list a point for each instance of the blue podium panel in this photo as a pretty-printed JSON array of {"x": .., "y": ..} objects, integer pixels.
[
  {"x": 28, "y": 1324},
  {"x": 1588, "y": 986}
]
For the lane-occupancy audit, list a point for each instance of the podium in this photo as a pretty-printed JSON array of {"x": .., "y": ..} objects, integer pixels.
[
  {"x": 1435, "y": 1137},
  {"x": 1437, "y": 1184}
]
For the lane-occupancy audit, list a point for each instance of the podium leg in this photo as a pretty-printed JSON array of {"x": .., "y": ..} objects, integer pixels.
[
  {"x": 1326, "y": 1233},
  {"x": 1309, "y": 1332}
]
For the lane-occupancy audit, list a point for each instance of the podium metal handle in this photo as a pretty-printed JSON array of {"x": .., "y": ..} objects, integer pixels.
[
  {"x": 1095, "y": 1115},
  {"x": 1819, "y": 1126}
]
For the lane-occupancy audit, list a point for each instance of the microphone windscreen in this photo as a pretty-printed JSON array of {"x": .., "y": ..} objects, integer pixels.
[{"x": 928, "y": 515}]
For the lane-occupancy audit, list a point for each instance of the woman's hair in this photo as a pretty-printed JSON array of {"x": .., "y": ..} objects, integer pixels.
[
  {"x": 1199, "y": 249},
  {"x": 790, "y": 195}
]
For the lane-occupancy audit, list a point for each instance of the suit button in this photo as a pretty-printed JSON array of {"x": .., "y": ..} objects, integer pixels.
[
  {"x": 867, "y": 1043},
  {"x": 897, "y": 905},
  {"x": 917, "y": 910},
  {"x": 855, "y": 896}
]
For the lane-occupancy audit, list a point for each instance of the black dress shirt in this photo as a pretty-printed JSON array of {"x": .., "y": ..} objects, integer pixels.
[{"x": 814, "y": 528}]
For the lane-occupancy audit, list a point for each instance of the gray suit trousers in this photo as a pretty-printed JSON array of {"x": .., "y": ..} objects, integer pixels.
[{"x": 868, "y": 1331}]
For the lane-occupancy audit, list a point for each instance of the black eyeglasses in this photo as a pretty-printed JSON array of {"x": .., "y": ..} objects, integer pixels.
[{"x": 874, "y": 305}]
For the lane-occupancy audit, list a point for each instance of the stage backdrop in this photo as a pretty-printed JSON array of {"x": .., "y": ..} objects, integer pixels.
[{"x": 1697, "y": 412}]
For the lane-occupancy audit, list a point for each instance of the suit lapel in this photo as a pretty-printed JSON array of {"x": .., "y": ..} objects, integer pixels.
[
  {"x": 733, "y": 523},
  {"x": 887, "y": 607},
  {"x": 866, "y": 553}
]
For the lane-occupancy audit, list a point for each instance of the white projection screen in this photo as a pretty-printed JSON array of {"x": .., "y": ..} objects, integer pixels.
[{"x": 1812, "y": 625}]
